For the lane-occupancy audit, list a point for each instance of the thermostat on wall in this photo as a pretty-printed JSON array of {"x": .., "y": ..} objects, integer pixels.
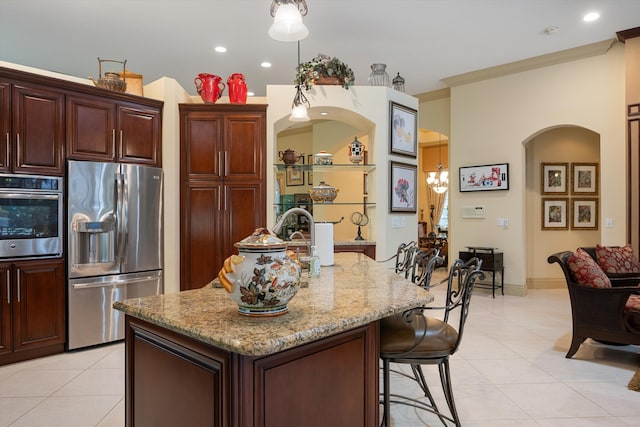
[{"x": 473, "y": 212}]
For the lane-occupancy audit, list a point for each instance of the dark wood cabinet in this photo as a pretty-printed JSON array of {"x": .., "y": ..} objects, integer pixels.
[
  {"x": 222, "y": 172},
  {"x": 32, "y": 313},
  {"x": 492, "y": 261},
  {"x": 329, "y": 382},
  {"x": 5, "y": 125},
  {"x": 32, "y": 126},
  {"x": 102, "y": 129}
]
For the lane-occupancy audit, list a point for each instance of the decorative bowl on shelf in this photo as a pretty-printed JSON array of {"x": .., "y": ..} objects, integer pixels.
[
  {"x": 263, "y": 278},
  {"x": 323, "y": 193},
  {"x": 323, "y": 158}
]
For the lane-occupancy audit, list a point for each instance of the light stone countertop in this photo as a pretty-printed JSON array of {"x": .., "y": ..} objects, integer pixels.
[{"x": 354, "y": 292}]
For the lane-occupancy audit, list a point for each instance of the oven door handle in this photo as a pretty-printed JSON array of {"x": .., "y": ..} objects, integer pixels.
[{"x": 13, "y": 195}]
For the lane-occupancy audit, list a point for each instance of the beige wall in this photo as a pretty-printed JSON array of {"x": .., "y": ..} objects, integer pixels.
[{"x": 492, "y": 120}]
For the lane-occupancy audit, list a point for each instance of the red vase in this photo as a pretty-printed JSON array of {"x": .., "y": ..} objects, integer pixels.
[
  {"x": 209, "y": 87},
  {"x": 237, "y": 89}
]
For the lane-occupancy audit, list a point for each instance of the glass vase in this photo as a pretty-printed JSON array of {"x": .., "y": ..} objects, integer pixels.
[{"x": 379, "y": 76}]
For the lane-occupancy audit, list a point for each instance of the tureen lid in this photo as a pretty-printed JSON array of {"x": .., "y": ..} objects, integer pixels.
[
  {"x": 261, "y": 238},
  {"x": 323, "y": 186},
  {"x": 323, "y": 154}
]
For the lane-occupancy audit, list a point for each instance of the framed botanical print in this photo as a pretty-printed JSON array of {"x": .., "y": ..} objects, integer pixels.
[
  {"x": 554, "y": 178},
  {"x": 555, "y": 213},
  {"x": 584, "y": 214},
  {"x": 404, "y": 130},
  {"x": 403, "y": 191},
  {"x": 295, "y": 174},
  {"x": 584, "y": 178}
]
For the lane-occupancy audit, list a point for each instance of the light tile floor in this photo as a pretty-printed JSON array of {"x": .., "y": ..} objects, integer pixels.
[{"x": 510, "y": 371}]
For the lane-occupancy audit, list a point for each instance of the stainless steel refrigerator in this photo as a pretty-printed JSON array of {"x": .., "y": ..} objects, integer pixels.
[{"x": 115, "y": 243}]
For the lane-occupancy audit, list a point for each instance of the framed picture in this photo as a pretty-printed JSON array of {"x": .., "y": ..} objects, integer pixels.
[
  {"x": 554, "y": 178},
  {"x": 554, "y": 213},
  {"x": 484, "y": 177},
  {"x": 295, "y": 174},
  {"x": 403, "y": 191},
  {"x": 584, "y": 178},
  {"x": 310, "y": 171},
  {"x": 584, "y": 214},
  {"x": 404, "y": 130}
]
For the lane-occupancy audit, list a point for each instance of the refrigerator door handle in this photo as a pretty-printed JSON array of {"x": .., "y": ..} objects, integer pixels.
[
  {"x": 113, "y": 283},
  {"x": 119, "y": 196},
  {"x": 125, "y": 216}
]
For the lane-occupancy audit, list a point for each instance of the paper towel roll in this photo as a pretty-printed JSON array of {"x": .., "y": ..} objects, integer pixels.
[{"x": 324, "y": 242}]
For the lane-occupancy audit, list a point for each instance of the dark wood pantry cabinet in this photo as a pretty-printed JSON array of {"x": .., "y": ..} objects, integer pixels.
[
  {"x": 32, "y": 309},
  {"x": 32, "y": 128},
  {"x": 222, "y": 193}
]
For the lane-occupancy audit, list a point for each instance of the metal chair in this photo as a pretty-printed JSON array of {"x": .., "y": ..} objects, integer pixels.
[
  {"x": 415, "y": 339},
  {"x": 424, "y": 263}
]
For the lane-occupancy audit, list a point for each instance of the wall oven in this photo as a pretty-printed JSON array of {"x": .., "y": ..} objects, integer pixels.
[{"x": 31, "y": 215}]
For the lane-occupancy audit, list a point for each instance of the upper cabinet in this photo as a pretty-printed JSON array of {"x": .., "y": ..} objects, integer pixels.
[
  {"x": 103, "y": 129},
  {"x": 32, "y": 128},
  {"x": 44, "y": 120}
]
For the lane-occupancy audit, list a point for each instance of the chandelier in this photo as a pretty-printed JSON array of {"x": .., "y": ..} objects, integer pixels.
[
  {"x": 439, "y": 181},
  {"x": 287, "y": 20}
]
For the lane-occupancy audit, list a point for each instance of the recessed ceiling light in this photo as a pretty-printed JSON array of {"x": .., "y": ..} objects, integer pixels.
[
  {"x": 591, "y": 16},
  {"x": 266, "y": 64},
  {"x": 220, "y": 49}
]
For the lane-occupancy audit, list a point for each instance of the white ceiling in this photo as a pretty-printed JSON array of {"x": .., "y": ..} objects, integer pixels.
[{"x": 424, "y": 40}]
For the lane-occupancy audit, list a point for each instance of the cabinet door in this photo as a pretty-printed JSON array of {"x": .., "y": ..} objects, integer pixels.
[
  {"x": 38, "y": 130},
  {"x": 5, "y": 126},
  {"x": 244, "y": 211},
  {"x": 244, "y": 146},
  {"x": 39, "y": 305},
  {"x": 5, "y": 309},
  {"x": 91, "y": 128},
  {"x": 140, "y": 135},
  {"x": 200, "y": 240},
  {"x": 201, "y": 146}
]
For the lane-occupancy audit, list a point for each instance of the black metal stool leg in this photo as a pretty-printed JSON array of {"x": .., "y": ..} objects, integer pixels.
[{"x": 445, "y": 378}]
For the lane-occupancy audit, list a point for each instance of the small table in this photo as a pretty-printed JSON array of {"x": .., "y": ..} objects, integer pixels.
[{"x": 492, "y": 261}]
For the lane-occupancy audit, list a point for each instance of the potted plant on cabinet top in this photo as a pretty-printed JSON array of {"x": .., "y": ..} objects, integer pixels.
[{"x": 321, "y": 68}]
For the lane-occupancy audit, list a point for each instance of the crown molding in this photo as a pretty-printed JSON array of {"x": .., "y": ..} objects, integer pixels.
[
  {"x": 631, "y": 33},
  {"x": 434, "y": 95},
  {"x": 594, "y": 49}
]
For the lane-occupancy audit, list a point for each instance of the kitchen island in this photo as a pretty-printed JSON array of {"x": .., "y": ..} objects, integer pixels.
[{"x": 192, "y": 359}]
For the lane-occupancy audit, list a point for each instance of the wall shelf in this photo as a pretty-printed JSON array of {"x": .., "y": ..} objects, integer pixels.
[{"x": 327, "y": 168}]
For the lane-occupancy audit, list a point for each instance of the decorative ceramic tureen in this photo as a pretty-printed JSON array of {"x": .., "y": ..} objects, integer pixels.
[
  {"x": 263, "y": 278},
  {"x": 323, "y": 193}
]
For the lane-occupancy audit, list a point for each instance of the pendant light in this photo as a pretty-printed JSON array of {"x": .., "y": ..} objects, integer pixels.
[
  {"x": 287, "y": 20},
  {"x": 439, "y": 181},
  {"x": 300, "y": 103}
]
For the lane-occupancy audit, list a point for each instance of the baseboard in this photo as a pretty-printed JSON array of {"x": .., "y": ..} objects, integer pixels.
[{"x": 546, "y": 283}]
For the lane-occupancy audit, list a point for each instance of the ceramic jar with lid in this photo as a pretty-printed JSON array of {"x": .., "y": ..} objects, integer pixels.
[
  {"x": 323, "y": 158},
  {"x": 323, "y": 193},
  {"x": 263, "y": 278}
]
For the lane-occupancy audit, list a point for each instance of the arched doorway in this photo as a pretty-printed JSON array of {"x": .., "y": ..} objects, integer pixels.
[{"x": 558, "y": 150}]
